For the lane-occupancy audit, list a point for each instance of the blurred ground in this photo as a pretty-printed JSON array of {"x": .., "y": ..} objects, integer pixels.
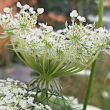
[{"x": 16, "y": 71}]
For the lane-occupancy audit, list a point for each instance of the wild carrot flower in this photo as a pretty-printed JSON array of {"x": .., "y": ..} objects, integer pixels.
[
  {"x": 53, "y": 54},
  {"x": 15, "y": 96}
]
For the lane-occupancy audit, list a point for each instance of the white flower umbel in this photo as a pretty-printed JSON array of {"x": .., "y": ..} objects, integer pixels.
[
  {"x": 15, "y": 96},
  {"x": 76, "y": 106},
  {"x": 53, "y": 54}
]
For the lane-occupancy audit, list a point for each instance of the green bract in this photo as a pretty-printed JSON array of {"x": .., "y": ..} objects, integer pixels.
[{"x": 53, "y": 54}]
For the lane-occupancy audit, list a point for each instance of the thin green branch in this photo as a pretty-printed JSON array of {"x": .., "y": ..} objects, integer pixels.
[
  {"x": 100, "y": 23},
  {"x": 89, "y": 85},
  {"x": 80, "y": 69},
  {"x": 64, "y": 59}
]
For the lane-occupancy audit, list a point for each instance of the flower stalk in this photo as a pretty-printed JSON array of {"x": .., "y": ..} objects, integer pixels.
[{"x": 100, "y": 23}]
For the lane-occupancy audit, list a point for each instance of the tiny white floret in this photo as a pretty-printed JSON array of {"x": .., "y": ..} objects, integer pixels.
[
  {"x": 26, "y": 6},
  {"x": 81, "y": 19},
  {"x": 74, "y": 13},
  {"x": 40, "y": 10},
  {"x": 19, "y": 4},
  {"x": 7, "y": 10}
]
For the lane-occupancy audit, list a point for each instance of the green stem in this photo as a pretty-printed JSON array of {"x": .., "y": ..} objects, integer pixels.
[
  {"x": 100, "y": 23},
  {"x": 42, "y": 96},
  {"x": 89, "y": 85},
  {"x": 64, "y": 59},
  {"x": 45, "y": 95}
]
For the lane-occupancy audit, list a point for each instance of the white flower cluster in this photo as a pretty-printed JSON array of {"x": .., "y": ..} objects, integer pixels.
[
  {"x": 26, "y": 18},
  {"x": 74, "y": 103},
  {"x": 14, "y": 96},
  {"x": 85, "y": 41},
  {"x": 74, "y": 14}
]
